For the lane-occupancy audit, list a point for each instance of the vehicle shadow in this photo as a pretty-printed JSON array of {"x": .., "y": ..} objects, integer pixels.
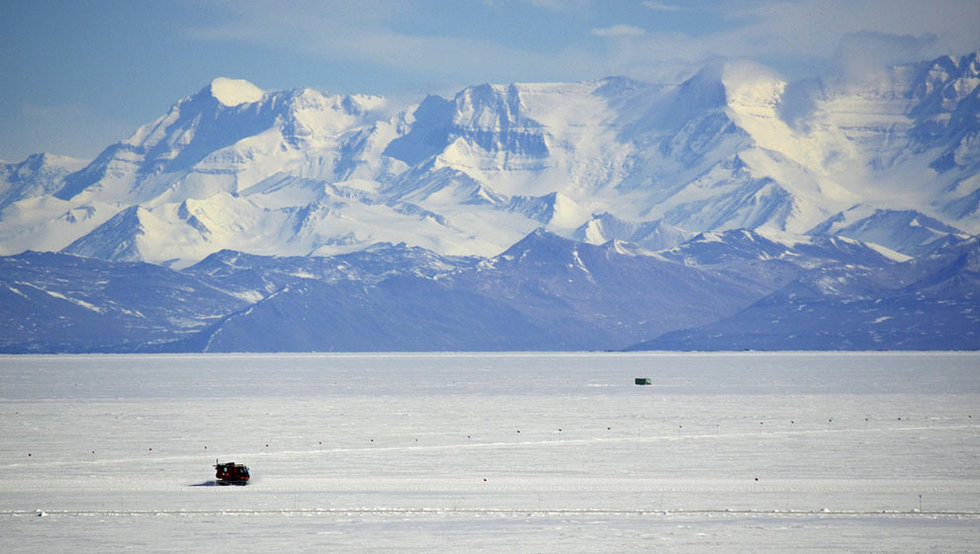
[{"x": 211, "y": 483}]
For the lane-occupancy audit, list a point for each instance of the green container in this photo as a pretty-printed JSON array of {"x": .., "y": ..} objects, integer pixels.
[{"x": 643, "y": 381}]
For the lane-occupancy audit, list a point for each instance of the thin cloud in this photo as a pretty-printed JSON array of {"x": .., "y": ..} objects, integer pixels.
[
  {"x": 808, "y": 37},
  {"x": 860, "y": 54},
  {"x": 816, "y": 27},
  {"x": 373, "y": 40},
  {"x": 562, "y": 5},
  {"x": 619, "y": 31},
  {"x": 661, "y": 7},
  {"x": 799, "y": 37}
]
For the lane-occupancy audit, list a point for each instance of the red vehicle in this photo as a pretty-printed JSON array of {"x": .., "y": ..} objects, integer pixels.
[{"x": 230, "y": 473}]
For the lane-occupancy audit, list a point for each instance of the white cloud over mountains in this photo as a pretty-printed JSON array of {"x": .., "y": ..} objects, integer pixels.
[{"x": 807, "y": 32}]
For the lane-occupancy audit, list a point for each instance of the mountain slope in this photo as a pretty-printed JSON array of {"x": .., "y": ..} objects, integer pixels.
[
  {"x": 845, "y": 310},
  {"x": 59, "y": 303},
  {"x": 908, "y": 231},
  {"x": 731, "y": 290},
  {"x": 544, "y": 293},
  {"x": 38, "y": 175},
  {"x": 601, "y": 297},
  {"x": 398, "y": 314}
]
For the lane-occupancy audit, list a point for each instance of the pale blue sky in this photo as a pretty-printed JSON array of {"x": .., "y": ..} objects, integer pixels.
[{"x": 78, "y": 75}]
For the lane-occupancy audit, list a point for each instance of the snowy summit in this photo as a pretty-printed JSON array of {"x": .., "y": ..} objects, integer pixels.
[{"x": 232, "y": 92}]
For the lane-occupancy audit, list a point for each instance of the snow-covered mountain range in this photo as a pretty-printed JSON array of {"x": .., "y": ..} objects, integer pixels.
[
  {"x": 734, "y": 179},
  {"x": 893, "y": 159}
]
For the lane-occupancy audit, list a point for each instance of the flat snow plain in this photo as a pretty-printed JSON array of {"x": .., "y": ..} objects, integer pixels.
[{"x": 492, "y": 452}]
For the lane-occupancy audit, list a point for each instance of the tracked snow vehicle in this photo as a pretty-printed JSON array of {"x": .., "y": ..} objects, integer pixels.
[{"x": 230, "y": 473}]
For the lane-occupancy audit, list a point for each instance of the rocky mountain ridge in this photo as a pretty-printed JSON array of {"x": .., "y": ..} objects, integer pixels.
[{"x": 730, "y": 290}]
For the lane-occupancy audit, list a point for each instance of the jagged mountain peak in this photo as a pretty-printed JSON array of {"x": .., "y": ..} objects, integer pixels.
[
  {"x": 554, "y": 209},
  {"x": 836, "y": 247},
  {"x": 492, "y": 107},
  {"x": 652, "y": 235},
  {"x": 199, "y": 111},
  {"x": 229, "y": 110},
  {"x": 38, "y": 175},
  {"x": 538, "y": 242},
  {"x": 42, "y": 160},
  {"x": 722, "y": 249},
  {"x": 225, "y": 138},
  {"x": 943, "y": 82},
  {"x": 908, "y": 231},
  {"x": 43, "y": 164},
  {"x": 116, "y": 240},
  {"x": 710, "y": 248}
]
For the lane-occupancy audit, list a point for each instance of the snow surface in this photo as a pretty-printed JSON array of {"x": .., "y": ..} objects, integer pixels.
[
  {"x": 524, "y": 452},
  {"x": 232, "y": 92}
]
